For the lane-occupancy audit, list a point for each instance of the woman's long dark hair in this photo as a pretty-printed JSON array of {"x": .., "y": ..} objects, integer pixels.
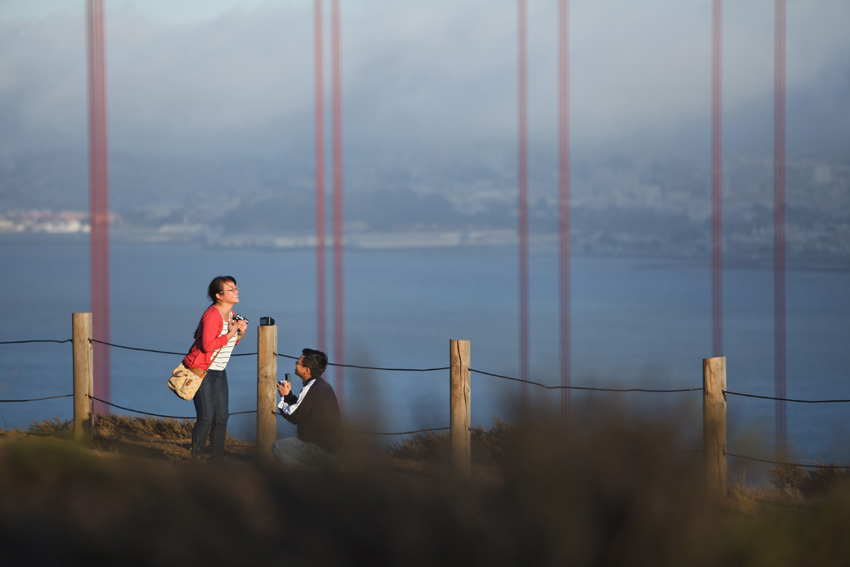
[{"x": 216, "y": 286}]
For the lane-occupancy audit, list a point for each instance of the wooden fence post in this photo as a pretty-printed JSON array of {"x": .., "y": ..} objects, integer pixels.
[
  {"x": 714, "y": 424},
  {"x": 266, "y": 389},
  {"x": 459, "y": 406},
  {"x": 81, "y": 333}
]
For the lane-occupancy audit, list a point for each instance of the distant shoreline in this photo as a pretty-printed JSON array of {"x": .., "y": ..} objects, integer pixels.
[{"x": 437, "y": 240}]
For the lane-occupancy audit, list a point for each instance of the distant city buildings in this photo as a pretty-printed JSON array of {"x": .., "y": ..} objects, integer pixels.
[{"x": 51, "y": 222}]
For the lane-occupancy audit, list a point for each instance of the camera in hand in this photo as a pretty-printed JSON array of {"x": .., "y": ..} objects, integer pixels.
[{"x": 237, "y": 317}]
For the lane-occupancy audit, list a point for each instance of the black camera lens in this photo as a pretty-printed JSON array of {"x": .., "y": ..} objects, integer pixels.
[{"x": 266, "y": 321}]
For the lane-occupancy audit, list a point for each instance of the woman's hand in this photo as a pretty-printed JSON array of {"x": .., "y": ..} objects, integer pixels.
[{"x": 241, "y": 327}]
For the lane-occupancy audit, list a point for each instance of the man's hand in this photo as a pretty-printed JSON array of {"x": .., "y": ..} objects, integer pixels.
[{"x": 283, "y": 388}]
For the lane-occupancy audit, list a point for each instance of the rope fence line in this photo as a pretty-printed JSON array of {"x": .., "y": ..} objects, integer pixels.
[
  {"x": 161, "y": 415},
  {"x": 439, "y": 369},
  {"x": 787, "y": 399},
  {"x": 255, "y": 411},
  {"x": 471, "y": 370},
  {"x": 124, "y": 347},
  {"x": 588, "y": 388},
  {"x": 142, "y": 412},
  {"x": 290, "y": 357},
  {"x": 37, "y": 399},
  {"x": 782, "y": 463},
  {"x": 35, "y": 341},
  {"x": 427, "y": 430},
  {"x": 379, "y": 434}
]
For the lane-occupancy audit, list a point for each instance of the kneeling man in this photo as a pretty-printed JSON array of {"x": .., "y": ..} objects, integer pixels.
[{"x": 316, "y": 413}]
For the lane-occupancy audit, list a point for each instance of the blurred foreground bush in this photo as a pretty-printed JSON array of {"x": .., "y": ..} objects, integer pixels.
[{"x": 615, "y": 494}]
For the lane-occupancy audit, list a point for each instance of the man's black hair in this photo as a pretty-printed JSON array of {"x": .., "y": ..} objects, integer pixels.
[{"x": 315, "y": 360}]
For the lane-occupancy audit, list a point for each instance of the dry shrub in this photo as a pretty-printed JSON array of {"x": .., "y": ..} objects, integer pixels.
[
  {"x": 487, "y": 447},
  {"x": 788, "y": 534},
  {"x": 806, "y": 481},
  {"x": 111, "y": 425},
  {"x": 117, "y": 426},
  {"x": 52, "y": 427},
  {"x": 426, "y": 445}
]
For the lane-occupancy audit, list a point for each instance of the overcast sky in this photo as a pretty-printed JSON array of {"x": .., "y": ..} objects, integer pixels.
[{"x": 420, "y": 77}]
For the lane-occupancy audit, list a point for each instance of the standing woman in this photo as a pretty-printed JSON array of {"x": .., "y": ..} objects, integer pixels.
[{"x": 215, "y": 337}]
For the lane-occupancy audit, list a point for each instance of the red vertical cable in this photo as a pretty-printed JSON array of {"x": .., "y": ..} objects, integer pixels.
[
  {"x": 716, "y": 181},
  {"x": 98, "y": 202},
  {"x": 564, "y": 192},
  {"x": 103, "y": 198},
  {"x": 320, "y": 177},
  {"x": 779, "y": 227},
  {"x": 105, "y": 318},
  {"x": 523, "y": 209},
  {"x": 337, "y": 238}
]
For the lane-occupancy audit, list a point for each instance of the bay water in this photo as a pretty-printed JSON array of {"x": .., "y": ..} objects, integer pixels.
[{"x": 635, "y": 323}]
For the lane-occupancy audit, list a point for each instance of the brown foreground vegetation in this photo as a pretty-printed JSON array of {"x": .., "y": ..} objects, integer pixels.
[{"x": 614, "y": 495}]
